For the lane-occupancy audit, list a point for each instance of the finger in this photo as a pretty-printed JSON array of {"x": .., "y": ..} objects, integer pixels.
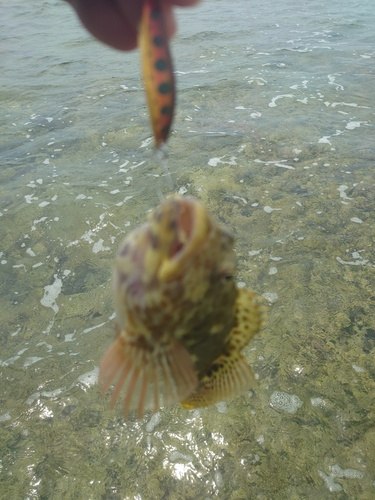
[
  {"x": 185, "y": 3},
  {"x": 107, "y": 22}
]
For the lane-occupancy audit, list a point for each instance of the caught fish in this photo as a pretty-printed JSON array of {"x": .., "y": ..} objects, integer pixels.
[
  {"x": 181, "y": 322},
  {"x": 157, "y": 70}
]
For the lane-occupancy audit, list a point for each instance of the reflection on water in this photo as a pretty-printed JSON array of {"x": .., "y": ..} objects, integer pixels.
[{"x": 274, "y": 133}]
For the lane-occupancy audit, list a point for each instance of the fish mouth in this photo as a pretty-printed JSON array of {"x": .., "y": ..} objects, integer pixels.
[{"x": 184, "y": 226}]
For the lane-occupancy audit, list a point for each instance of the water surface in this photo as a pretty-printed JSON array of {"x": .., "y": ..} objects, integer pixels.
[{"x": 274, "y": 132}]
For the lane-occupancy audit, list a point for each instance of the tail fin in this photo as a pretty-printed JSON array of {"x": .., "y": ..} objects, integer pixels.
[{"x": 150, "y": 378}]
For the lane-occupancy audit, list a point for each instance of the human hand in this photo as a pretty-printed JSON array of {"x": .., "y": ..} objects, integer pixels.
[{"x": 115, "y": 22}]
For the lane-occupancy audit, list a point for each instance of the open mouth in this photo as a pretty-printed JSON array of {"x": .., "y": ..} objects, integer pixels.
[
  {"x": 189, "y": 224},
  {"x": 183, "y": 226}
]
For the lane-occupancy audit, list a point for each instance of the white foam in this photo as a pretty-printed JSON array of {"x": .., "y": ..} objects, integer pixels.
[
  {"x": 332, "y": 79},
  {"x": 268, "y": 209},
  {"x": 342, "y": 190},
  {"x": 270, "y": 296},
  {"x": 44, "y": 204},
  {"x": 89, "y": 378},
  {"x": 288, "y": 403},
  {"x": 30, "y": 198},
  {"x": 9, "y": 361},
  {"x": 358, "y": 369},
  {"x": 127, "y": 198},
  {"x": 337, "y": 472},
  {"x": 176, "y": 456},
  {"x": 219, "y": 481},
  {"x": 153, "y": 422},
  {"x": 99, "y": 247},
  {"x": 31, "y": 361},
  {"x": 273, "y": 104},
  {"x": 51, "y": 292},
  {"x": 33, "y": 397},
  {"x": 51, "y": 394},
  {"x": 325, "y": 140},
  {"x": 330, "y": 483},
  {"x": 222, "y": 407},
  {"x": 137, "y": 165},
  {"x": 19, "y": 265},
  {"x": 13, "y": 334},
  {"x": 318, "y": 402},
  {"x": 87, "y": 330},
  {"x": 244, "y": 201},
  {"x": 272, "y": 270},
  {"x": 42, "y": 219},
  {"x": 146, "y": 142},
  {"x": 353, "y": 125},
  {"x": 213, "y": 162},
  {"x": 358, "y": 262},
  {"x": 284, "y": 165},
  {"x": 357, "y": 220},
  {"x": 351, "y": 104}
]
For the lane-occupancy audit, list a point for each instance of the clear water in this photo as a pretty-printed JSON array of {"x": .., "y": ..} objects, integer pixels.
[{"x": 274, "y": 131}]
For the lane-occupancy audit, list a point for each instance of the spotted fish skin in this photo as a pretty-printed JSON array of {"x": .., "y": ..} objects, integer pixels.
[
  {"x": 181, "y": 321},
  {"x": 157, "y": 70}
]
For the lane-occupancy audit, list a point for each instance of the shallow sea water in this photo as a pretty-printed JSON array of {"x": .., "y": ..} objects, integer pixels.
[{"x": 274, "y": 132}]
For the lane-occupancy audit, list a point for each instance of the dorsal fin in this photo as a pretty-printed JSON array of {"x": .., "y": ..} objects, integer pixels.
[
  {"x": 149, "y": 378},
  {"x": 250, "y": 318}
]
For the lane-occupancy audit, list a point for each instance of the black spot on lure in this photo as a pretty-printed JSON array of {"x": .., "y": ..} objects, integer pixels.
[{"x": 157, "y": 70}]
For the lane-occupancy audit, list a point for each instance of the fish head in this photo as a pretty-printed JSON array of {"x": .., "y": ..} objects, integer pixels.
[
  {"x": 185, "y": 239},
  {"x": 180, "y": 256}
]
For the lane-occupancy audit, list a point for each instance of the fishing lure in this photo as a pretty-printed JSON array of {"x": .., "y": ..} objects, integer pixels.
[{"x": 157, "y": 70}]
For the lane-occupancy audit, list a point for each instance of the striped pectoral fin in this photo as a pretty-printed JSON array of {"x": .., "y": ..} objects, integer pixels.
[
  {"x": 148, "y": 379},
  {"x": 228, "y": 378},
  {"x": 157, "y": 69}
]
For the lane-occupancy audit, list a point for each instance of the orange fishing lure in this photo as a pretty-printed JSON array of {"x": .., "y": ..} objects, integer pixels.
[{"x": 157, "y": 70}]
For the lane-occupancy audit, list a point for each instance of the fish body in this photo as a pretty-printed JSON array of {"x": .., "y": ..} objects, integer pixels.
[
  {"x": 157, "y": 70},
  {"x": 181, "y": 321}
]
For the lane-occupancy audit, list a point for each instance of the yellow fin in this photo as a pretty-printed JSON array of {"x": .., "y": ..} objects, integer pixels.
[
  {"x": 250, "y": 317},
  {"x": 228, "y": 378},
  {"x": 149, "y": 378},
  {"x": 230, "y": 375}
]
